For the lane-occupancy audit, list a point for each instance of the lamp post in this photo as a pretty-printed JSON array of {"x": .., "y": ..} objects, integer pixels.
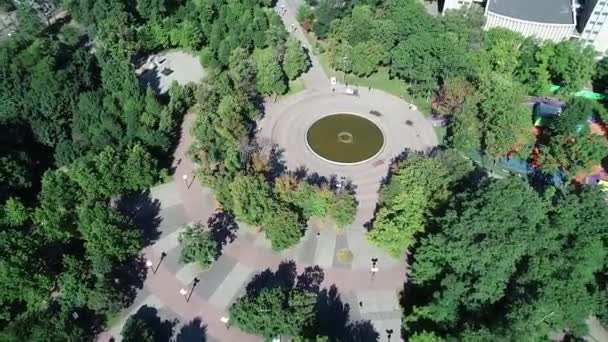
[
  {"x": 341, "y": 185},
  {"x": 185, "y": 179},
  {"x": 162, "y": 257},
  {"x": 150, "y": 264},
  {"x": 194, "y": 282},
  {"x": 389, "y": 333},
  {"x": 344, "y": 60}
]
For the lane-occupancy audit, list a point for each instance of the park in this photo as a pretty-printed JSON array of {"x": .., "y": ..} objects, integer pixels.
[
  {"x": 297, "y": 170},
  {"x": 286, "y": 126}
]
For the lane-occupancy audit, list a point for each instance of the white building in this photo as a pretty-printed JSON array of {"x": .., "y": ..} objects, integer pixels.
[
  {"x": 593, "y": 26},
  {"x": 456, "y": 4},
  {"x": 544, "y": 19},
  {"x": 554, "y": 20}
]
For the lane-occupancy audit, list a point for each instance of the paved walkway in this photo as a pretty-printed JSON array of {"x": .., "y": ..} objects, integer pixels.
[{"x": 374, "y": 299}]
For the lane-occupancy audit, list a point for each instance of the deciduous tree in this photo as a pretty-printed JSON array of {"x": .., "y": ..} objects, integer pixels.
[
  {"x": 283, "y": 227},
  {"x": 506, "y": 119},
  {"x": 270, "y": 76},
  {"x": 420, "y": 186},
  {"x": 527, "y": 260},
  {"x": 571, "y": 66},
  {"x": 600, "y": 78},
  {"x": 500, "y": 51},
  {"x": 452, "y": 95},
  {"x": 272, "y": 312},
  {"x": 251, "y": 198},
  {"x": 197, "y": 246},
  {"x": 295, "y": 60},
  {"x": 366, "y": 57},
  {"x": 108, "y": 237}
]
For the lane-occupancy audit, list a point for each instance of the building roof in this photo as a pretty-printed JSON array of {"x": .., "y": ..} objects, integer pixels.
[{"x": 542, "y": 11}]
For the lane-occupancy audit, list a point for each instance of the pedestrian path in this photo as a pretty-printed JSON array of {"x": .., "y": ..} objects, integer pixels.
[
  {"x": 180, "y": 202},
  {"x": 220, "y": 284},
  {"x": 150, "y": 300}
]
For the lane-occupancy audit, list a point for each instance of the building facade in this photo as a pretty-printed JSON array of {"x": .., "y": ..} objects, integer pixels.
[
  {"x": 456, "y": 4},
  {"x": 593, "y": 24},
  {"x": 553, "y": 20}
]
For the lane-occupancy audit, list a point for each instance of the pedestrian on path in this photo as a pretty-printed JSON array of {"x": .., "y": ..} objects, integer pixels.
[{"x": 360, "y": 304}]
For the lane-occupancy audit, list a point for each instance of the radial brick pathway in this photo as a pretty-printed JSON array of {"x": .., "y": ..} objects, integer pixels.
[{"x": 284, "y": 124}]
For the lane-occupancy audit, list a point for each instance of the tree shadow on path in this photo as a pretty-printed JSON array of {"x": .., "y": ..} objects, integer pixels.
[
  {"x": 283, "y": 278},
  {"x": 129, "y": 278},
  {"x": 311, "y": 279},
  {"x": 332, "y": 316},
  {"x": 333, "y": 181},
  {"x": 143, "y": 210},
  {"x": 194, "y": 331},
  {"x": 276, "y": 162},
  {"x": 162, "y": 330},
  {"x": 333, "y": 320},
  {"x": 223, "y": 227}
]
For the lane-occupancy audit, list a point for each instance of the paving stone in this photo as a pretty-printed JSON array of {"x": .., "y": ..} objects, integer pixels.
[
  {"x": 341, "y": 243},
  {"x": 173, "y": 218},
  {"x": 188, "y": 272},
  {"x": 168, "y": 242},
  {"x": 378, "y": 301},
  {"x": 326, "y": 246},
  {"x": 166, "y": 194},
  {"x": 230, "y": 286},
  {"x": 171, "y": 261},
  {"x": 307, "y": 249},
  {"x": 382, "y": 325},
  {"x": 212, "y": 278}
]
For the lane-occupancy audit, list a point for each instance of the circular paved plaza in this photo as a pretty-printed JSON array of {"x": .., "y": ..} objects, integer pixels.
[
  {"x": 286, "y": 124},
  {"x": 366, "y": 296}
]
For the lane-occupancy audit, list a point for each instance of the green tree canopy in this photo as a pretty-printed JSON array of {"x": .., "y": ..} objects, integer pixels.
[
  {"x": 419, "y": 186},
  {"x": 572, "y": 145},
  {"x": 571, "y": 65},
  {"x": 272, "y": 312},
  {"x": 527, "y": 262},
  {"x": 251, "y": 198},
  {"x": 600, "y": 78},
  {"x": 506, "y": 120},
  {"x": 270, "y": 76},
  {"x": 295, "y": 60},
  {"x": 283, "y": 227},
  {"x": 499, "y": 52},
  {"x": 197, "y": 245}
]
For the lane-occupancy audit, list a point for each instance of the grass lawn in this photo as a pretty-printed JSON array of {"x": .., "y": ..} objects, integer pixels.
[
  {"x": 380, "y": 80},
  {"x": 295, "y": 86},
  {"x": 112, "y": 318},
  {"x": 440, "y": 132}
]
